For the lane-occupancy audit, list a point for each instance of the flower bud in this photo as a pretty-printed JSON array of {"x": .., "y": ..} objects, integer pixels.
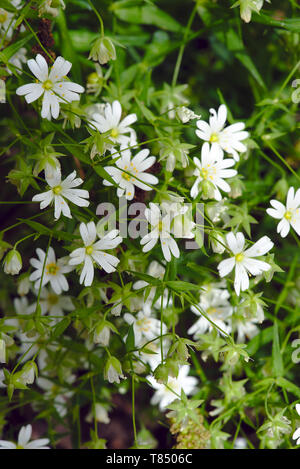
[
  {"x": 113, "y": 370},
  {"x": 12, "y": 262},
  {"x": 102, "y": 334},
  {"x": 2, "y": 351},
  {"x": 103, "y": 50},
  {"x": 185, "y": 114},
  {"x": 26, "y": 375},
  {"x": 217, "y": 242},
  {"x": 23, "y": 286}
]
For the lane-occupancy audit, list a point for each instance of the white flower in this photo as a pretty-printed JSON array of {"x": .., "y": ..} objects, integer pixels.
[
  {"x": 23, "y": 285},
  {"x": 247, "y": 6},
  {"x": 21, "y": 305},
  {"x": 214, "y": 303},
  {"x": 154, "y": 270},
  {"x": 113, "y": 370},
  {"x": 212, "y": 170},
  {"x": 51, "y": 7},
  {"x": 183, "y": 224},
  {"x": 246, "y": 328},
  {"x": 289, "y": 214},
  {"x": 185, "y": 114},
  {"x": 2, "y": 351},
  {"x": 60, "y": 191},
  {"x": 226, "y": 139},
  {"x": 165, "y": 394},
  {"x": 17, "y": 60},
  {"x": 111, "y": 121},
  {"x": 240, "y": 443},
  {"x": 7, "y": 21},
  {"x": 296, "y": 434},
  {"x": 243, "y": 260},
  {"x": 53, "y": 86},
  {"x": 27, "y": 374},
  {"x": 12, "y": 262},
  {"x": 59, "y": 394},
  {"x": 161, "y": 229},
  {"x": 94, "y": 252},
  {"x": 101, "y": 334},
  {"x": 53, "y": 304},
  {"x": 154, "y": 359},
  {"x": 130, "y": 172},
  {"x": 99, "y": 413},
  {"x": 103, "y": 50},
  {"x": 24, "y": 441},
  {"x": 53, "y": 273},
  {"x": 145, "y": 326}
]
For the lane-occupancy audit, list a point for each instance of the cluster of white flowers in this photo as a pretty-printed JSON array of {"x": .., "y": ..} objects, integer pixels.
[{"x": 129, "y": 170}]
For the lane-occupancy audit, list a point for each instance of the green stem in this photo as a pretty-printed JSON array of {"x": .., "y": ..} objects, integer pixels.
[
  {"x": 133, "y": 411},
  {"x": 182, "y": 47},
  {"x": 98, "y": 16}
]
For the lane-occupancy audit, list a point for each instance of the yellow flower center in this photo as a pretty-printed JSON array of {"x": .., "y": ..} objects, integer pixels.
[
  {"x": 126, "y": 176},
  {"x": 89, "y": 250},
  {"x": 160, "y": 226},
  {"x": 19, "y": 447},
  {"x": 211, "y": 311},
  {"x": 144, "y": 324},
  {"x": 47, "y": 85},
  {"x": 204, "y": 173},
  {"x": 57, "y": 190},
  {"x": 214, "y": 138},
  {"x": 52, "y": 268},
  {"x": 3, "y": 16},
  {"x": 114, "y": 133},
  {"x": 239, "y": 257},
  {"x": 53, "y": 299},
  {"x": 288, "y": 215}
]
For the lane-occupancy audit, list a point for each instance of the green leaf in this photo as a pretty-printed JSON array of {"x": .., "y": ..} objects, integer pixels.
[
  {"x": 130, "y": 339},
  {"x": 290, "y": 387},
  {"x": 7, "y": 53},
  {"x": 7, "y": 5},
  {"x": 60, "y": 328},
  {"x": 47, "y": 231},
  {"x": 179, "y": 286},
  {"x": 278, "y": 368},
  {"x": 146, "y": 14},
  {"x": 235, "y": 44},
  {"x": 291, "y": 24}
]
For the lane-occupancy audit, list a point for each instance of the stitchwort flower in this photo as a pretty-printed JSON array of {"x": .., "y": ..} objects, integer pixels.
[
  {"x": 60, "y": 191},
  {"x": 53, "y": 85}
]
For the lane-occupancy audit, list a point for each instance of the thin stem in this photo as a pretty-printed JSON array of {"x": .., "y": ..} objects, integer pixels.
[
  {"x": 133, "y": 410},
  {"x": 283, "y": 160},
  {"x": 98, "y": 16},
  {"x": 182, "y": 47}
]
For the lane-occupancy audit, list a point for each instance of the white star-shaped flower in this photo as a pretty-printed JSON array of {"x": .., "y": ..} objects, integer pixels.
[
  {"x": 227, "y": 139},
  {"x": 24, "y": 441},
  {"x": 289, "y": 214},
  {"x": 296, "y": 434},
  {"x": 54, "y": 271},
  {"x": 130, "y": 172},
  {"x": 214, "y": 303},
  {"x": 60, "y": 191},
  {"x": 53, "y": 85},
  {"x": 94, "y": 252},
  {"x": 212, "y": 169},
  {"x": 165, "y": 394},
  {"x": 110, "y": 120},
  {"x": 161, "y": 229},
  {"x": 145, "y": 326},
  {"x": 243, "y": 260}
]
